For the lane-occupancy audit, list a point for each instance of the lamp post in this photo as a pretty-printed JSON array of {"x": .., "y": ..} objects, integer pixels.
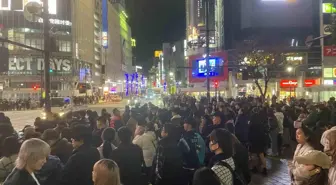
[
  {"x": 207, "y": 48},
  {"x": 46, "y": 56}
]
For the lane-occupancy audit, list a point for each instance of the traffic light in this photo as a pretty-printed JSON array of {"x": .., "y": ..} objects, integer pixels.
[
  {"x": 50, "y": 70},
  {"x": 216, "y": 84},
  {"x": 35, "y": 87}
]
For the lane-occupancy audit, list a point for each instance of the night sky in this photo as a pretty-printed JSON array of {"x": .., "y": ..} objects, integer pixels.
[{"x": 154, "y": 22}]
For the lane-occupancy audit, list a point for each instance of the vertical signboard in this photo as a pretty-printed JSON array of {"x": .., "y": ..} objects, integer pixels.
[{"x": 104, "y": 24}]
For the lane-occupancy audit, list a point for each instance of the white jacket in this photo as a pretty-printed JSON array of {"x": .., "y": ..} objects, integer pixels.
[{"x": 148, "y": 144}]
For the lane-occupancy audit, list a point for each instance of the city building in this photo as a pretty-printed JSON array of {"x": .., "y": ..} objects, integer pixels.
[
  {"x": 288, "y": 24},
  {"x": 84, "y": 53}
]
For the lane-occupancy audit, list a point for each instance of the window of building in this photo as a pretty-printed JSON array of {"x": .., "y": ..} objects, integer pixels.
[{"x": 64, "y": 46}]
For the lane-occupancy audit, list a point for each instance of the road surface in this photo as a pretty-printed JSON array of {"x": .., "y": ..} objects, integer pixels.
[{"x": 21, "y": 118}]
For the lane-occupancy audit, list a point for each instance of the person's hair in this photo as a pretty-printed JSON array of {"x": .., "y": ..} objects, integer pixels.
[
  {"x": 175, "y": 110},
  {"x": 31, "y": 151},
  {"x": 50, "y": 134},
  {"x": 108, "y": 137},
  {"x": 66, "y": 133},
  {"x": 206, "y": 176},
  {"x": 125, "y": 135},
  {"x": 319, "y": 178},
  {"x": 81, "y": 132},
  {"x": 150, "y": 126},
  {"x": 224, "y": 140},
  {"x": 10, "y": 146},
  {"x": 311, "y": 138},
  {"x": 190, "y": 121},
  {"x": 115, "y": 111},
  {"x": 111, "y": 177}
]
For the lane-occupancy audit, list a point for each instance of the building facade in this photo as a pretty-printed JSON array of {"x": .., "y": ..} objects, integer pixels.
[{"x": 78, "y": 57}]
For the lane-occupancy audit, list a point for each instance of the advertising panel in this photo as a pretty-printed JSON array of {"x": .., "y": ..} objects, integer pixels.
[
  {"x": 288, "y": 83},
  {"x": 218, "y": 67},
  {"x": 104, "y": 24},
  {"x": 329, "y": 72},
  {"x": 34, "y": 66},
  {"x": 328, "y": 8},
  {"x": 329, "y": 51},
  {"x": 311, "y": 82}
]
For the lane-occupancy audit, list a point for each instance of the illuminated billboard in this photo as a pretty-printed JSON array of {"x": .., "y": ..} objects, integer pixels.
[
  {"x": 328, "y": 8},
  {"x": 218, "y": 67},
  {"x": 199, "y": 67},
  {"x": 18, "y": 5}
]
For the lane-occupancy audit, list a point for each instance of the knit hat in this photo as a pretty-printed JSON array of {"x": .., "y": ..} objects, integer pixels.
[{"x": 315, "y": 157}]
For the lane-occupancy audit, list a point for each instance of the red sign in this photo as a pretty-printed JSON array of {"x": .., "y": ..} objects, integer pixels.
[
  {"x": 329, "y": 51},
  {"x": 288, "y": 83},
  {"x": 309, "y": 83}
]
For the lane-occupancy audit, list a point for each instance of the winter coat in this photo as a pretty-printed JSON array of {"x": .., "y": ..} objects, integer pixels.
[
  {"x": 129, "y": 158},
  {"x": 20, "y": 177},
  {"x": 100, "y": 150},
  {"x": 51, "y": 172},
  {"x": 222, "y": 172},
  {"x": 297, "y": 171},
  {"x": 78, "y": 169},
  {"x": 62, "y": 149},
  {"x": 280, "y": 119},
  {"x": 177, "y": 120},
  {"x": 147, "y": 142},
  {"x": 131, "y": 124},
  {"x": 7, "y": 164},
  {"x": 241, "y": 128},
  {"x": 168, "y": 163}
]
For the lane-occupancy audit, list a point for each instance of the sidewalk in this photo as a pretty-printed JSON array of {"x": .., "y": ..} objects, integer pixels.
[{"x": 277, "y": 174}]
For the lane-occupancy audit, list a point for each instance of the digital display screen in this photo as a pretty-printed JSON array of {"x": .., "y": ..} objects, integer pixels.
[{"x": 199, "y": 67}]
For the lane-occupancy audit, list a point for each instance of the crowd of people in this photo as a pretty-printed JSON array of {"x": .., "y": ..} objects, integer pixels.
[{"x": 188, "y": 143}]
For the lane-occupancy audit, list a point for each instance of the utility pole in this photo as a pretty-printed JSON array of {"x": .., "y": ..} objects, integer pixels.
[
  {"x": 207, "y": 47},
  {"x": 46, "y": 56}
]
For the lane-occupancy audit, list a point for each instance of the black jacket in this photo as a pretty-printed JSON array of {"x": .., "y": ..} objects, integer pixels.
[
  {"x": 168, "y": 163},
  {"x": 129, "y": 158},
  {"x": 78, "y": 169},
  {"x": 19, "y": 177}
]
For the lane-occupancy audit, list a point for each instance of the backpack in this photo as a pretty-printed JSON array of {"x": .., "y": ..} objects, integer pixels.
[{"x": 236, "y": 176}]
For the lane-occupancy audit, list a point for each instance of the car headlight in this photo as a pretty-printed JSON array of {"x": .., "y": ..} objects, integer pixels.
[{"x": 61, "y": 114}]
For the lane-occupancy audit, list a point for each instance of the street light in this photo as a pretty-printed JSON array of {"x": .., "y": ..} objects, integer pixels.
[
  {"x": 171, "y": 74},
  {"x": 289, "y": 69}
]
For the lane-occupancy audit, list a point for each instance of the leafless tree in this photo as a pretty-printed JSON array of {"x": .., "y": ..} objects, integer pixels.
[{"x": 260, "y": 59}]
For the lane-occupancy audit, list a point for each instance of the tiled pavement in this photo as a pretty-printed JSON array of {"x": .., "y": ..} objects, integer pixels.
[{"x": 277, "y": 174}]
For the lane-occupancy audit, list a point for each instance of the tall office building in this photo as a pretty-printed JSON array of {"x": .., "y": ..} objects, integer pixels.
[{"x": 79, "y": 39}]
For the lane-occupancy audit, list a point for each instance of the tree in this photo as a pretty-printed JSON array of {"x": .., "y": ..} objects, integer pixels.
[{"x": 260, "y": 60}]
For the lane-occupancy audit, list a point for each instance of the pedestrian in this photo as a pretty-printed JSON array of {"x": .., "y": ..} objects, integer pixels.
[
  {"x": 106, "y": 172},
  {"x": 31, "y": 158},
  {"x": 329, "y": 142},
  {"x": 129, "y": 158},
  {"x": 60, "y": 147},
  {"x": 7, "y": 162},
  {"x": 315, "y": 168},
  {"x": 168, "y": 161},
  {"x": 78, "y": 169},
  {"x": 106, "y": 148},
  {"x": 206, "y": 176},
  {"x": 221, "y": 144},
  {"x": 305, "y": 141}
]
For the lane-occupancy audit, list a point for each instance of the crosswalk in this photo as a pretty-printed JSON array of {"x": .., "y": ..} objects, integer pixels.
[{"x": 20, "y": 119}]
